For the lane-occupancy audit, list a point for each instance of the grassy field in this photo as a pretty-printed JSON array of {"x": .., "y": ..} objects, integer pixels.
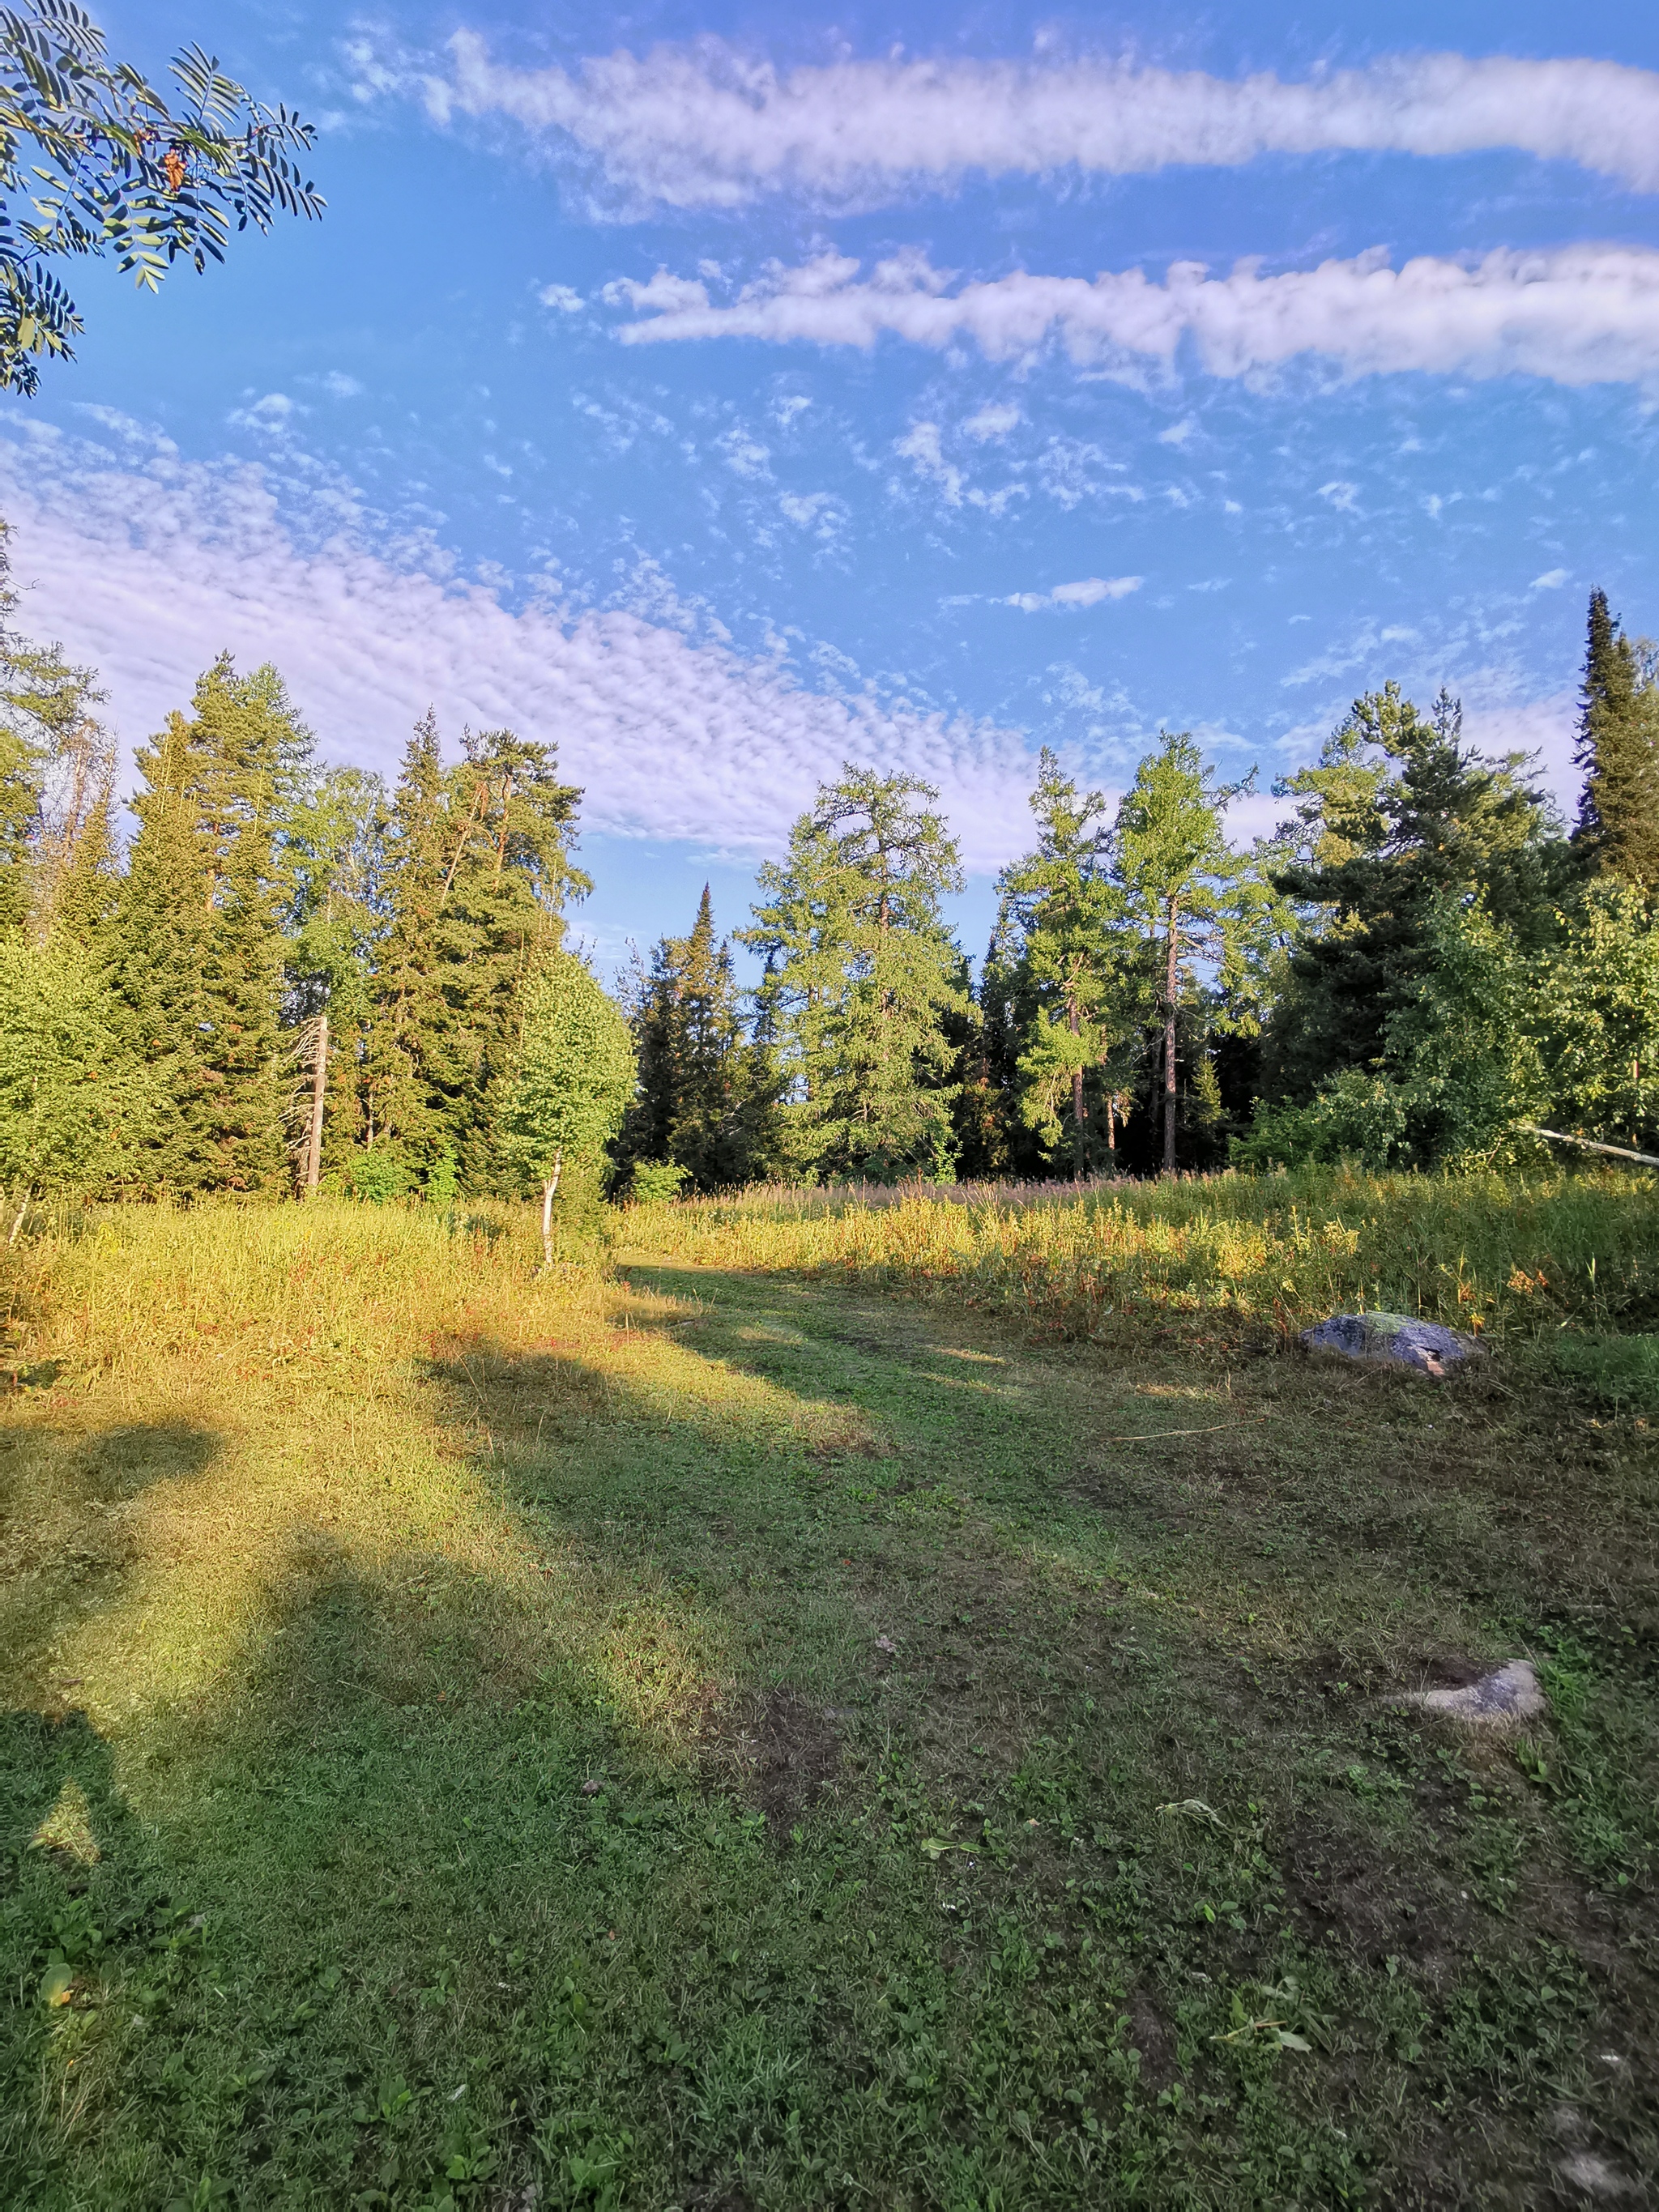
[
  {"x": 1506, "y": 1256},
  {"x": 710, "y": 1728}
]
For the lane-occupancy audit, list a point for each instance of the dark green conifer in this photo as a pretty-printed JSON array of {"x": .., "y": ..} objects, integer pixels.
[
  {"x": 1399, "y": 815},
  {"x": 254, "y": 752},
  {"x": 476, "y": 874},
  {"x": 508, "y": 827},
  {"x": 1618, "y": 752},
  {"x": 196, "y": 949},
  {"x": 706, "y": 1098},
  {"x": 409, "y": 1027},
  {"x": 161, "y": 934}
]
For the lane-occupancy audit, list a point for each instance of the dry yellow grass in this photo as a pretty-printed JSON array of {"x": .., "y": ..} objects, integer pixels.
[{"x": 1498, "y": 1255}]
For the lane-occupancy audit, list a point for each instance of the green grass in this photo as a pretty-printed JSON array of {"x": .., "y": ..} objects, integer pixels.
[{"x": 999, "y": 1799}]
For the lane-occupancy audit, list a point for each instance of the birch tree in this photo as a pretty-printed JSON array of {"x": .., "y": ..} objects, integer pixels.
[{"x": 570, "y": 1081}]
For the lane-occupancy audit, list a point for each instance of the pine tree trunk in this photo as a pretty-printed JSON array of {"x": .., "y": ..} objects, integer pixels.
[
  {"x": 1169, "y": 981},
  {"x": 548, "y": 1190},
  {"x": 318, "y": 1091},
  {"x": 1111, "y": 1129}
]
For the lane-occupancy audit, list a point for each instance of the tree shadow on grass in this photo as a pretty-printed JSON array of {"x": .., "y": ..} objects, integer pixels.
[{"x": 65, "y": 1537}]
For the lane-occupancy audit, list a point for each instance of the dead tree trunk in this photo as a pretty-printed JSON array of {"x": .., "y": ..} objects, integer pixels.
[
  {"x": 319, "y": 1092},
  {"x": 549, "y": 1189}
]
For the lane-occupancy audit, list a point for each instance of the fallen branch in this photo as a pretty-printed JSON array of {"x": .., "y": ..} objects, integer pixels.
[{"x": 1615, "y": 1152}]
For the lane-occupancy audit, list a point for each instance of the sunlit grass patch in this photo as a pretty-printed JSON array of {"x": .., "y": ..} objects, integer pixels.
[{"x": 1493, "y": 1254}]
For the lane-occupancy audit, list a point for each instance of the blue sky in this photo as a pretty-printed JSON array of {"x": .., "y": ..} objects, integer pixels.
[{"x": 722, "y": 392}]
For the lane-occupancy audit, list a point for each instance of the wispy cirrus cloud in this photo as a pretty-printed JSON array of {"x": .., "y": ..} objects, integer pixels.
[
  {"x": 711, "y": 126},
  {"x": 1574, "y": 315},
  {"x": 671, "y": 731}
]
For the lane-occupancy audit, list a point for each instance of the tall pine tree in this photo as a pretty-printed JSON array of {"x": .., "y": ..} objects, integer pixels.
[
  {"x": 1617, "y": 753},
  {"x": 1192, "y": 898},
  {"x": 862, "y": 975},
  {"x": 1079, "y": 990}
]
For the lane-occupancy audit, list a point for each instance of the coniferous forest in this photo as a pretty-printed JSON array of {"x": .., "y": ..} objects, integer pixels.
[{"x": 267, "y": 974}]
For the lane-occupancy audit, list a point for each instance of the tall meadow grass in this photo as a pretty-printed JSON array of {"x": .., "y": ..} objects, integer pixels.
[{"x": 1496, "y": 1254}]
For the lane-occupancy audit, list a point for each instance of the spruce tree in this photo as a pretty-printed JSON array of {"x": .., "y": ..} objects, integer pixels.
[
  {"x": 477, "y": 872},
  {"x": 1399, "y": 815},
  {"x": 705, "y": 1097},
  {"x": 254, "y": 751},
  {"x": 160, "y": 955},
  {"x": 510, "y": 821},
  {"x": 406, "y": 1046},
  {"x": 197, "y": 950},
  {"x": 1617, "y": 753}
]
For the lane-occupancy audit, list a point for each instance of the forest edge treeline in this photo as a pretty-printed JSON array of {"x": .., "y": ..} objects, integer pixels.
[{"x": 292, "y": 977}]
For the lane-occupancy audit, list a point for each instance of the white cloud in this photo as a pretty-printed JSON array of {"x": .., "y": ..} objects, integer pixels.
[
  {"x": 1073, "y": 469},
  {"x": 995, "y": 420},
  {"x": 670, "y": 735},
  {"x": 1179, "y": 433},
  {"x": 272, "y": 414},
  {"x": 745, "y": 455},
  {"x": 1550, "y": 580},
  {"x": 1088, "y": 593},
  {"x": 820, "y": 511},
  {"x": 340, "y": 386},
  {"x": 999, "y": 501},
  {"x": 564, "y": 297},
  {"x": 784, "y": 413},
  {"x": 920, "y": 444},
  {"x": 1576, "y": 314},
  {"x": 1344, "y": 497},
  {"x": 711, "y": 126}
]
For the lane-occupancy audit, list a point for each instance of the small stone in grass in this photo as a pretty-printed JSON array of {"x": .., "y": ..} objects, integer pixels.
[
  {"x": 590, "y": 1789},
  {"x": 1508, "y": 1693}
]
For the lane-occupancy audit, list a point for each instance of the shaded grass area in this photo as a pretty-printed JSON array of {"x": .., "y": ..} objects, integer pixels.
[{"x": 680, "y": 1738}]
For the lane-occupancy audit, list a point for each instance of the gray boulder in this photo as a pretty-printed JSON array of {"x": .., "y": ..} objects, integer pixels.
[{"x": 1420, "y": 1344}]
